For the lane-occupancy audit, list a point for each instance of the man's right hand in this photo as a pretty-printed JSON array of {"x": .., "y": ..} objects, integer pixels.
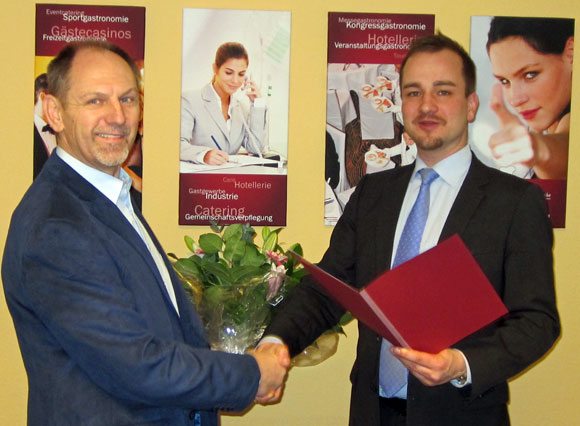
[{"x": 274, "y": 361}]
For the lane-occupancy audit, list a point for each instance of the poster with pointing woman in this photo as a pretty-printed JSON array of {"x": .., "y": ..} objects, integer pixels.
[{"x": 524, "y": 68}]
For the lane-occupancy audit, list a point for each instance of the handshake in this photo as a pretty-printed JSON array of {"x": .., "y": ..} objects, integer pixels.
[{"x": 274, "y": 361}]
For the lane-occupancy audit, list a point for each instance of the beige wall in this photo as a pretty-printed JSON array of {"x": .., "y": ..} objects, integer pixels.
[{"x": 315, "y": 395}]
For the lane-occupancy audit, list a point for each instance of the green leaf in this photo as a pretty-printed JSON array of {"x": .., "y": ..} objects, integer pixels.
[
  {"x": 215, "y": 227},
  {"x": 265, "y": 233},
  {"x": 345, "y": 319},
  {"x": 270, "y": 242},
  {"x": 213, "y": 296},
  {"x": 235, "y": 251},
  {"x": 233, "y": 232},
  {"x": 190, "y": 243},
  {"x": 297, "y": 248},
  {"x": 253, "y": 257},
  {"x": 243, "y": 274},
  {"x": 291, "y": 264},
  {"x": 298, "y": 274},
  {"x": 213, "y": 257},
  {"x": 338, "y": 327},
  {"x": 216, "y": 273},
  {"x": 248, "y": 233},
  {"x": 210, "y": 243},
  {"x": 186, "y": 266}
]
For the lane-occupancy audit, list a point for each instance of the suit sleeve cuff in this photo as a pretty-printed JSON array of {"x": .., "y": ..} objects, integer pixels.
[
  {"x": 270, "y": 339},
  {"x": 458, "y": 383}
]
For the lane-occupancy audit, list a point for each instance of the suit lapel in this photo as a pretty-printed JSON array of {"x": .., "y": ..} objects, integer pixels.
[
  {"x": 393, "y": 194},
  {"x": 100, "y": 206},
  {"x": 212, "y": 106},
  {"x": 111, "y": 217},
  {"x": 103, "y": 210},
  {"x": 188, "y": 318},
  {"x": 467, "y": 201}
]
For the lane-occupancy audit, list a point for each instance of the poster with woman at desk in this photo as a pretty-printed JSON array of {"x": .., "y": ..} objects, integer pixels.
[
  {"x": 234, "y": 117},
  {"x": 364, "y": 126},
  {"x": 524, "y": 85}
]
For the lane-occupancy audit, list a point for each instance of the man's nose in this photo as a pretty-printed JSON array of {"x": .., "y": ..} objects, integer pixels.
[
  {"x": 428, "y": 103},
  {"x": 116, "y": 112}
]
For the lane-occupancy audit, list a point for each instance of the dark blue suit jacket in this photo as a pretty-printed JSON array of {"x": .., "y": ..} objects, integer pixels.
[
  {"x": 503, "y": 221},
  {"x": 100, "y": 339}
]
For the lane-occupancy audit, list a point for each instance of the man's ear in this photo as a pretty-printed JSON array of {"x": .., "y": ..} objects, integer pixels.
[
  {"x": 53, "y": 110},
  {"x": 472, "y": 106},
  {"x": 569, "y": 50}
]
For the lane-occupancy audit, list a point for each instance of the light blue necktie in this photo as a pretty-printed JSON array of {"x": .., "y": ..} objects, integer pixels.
[{"x": 392, "y": 374}]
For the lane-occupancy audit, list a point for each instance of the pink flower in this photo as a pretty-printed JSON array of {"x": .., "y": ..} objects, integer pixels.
[
  {"x": 279, "y": 258},
  {"x": 275, "y": 281}
]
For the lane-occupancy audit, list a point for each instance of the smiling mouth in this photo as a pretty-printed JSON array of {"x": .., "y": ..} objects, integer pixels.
[
  {"x": 112, "y": 139},
  {"x": 428, "y": 123},
  {"x": 110, "y": 136},
  {"x": 114, "y": 133}
]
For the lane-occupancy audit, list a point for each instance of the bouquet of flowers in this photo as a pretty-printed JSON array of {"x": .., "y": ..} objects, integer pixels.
[{"x": 234, "y": 283}]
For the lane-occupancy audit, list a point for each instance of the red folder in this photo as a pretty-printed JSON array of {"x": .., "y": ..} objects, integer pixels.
[{"x": 428, "y": 303}]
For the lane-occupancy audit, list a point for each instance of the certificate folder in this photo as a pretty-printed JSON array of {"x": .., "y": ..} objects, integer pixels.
[{"x": 428, "y": 303}]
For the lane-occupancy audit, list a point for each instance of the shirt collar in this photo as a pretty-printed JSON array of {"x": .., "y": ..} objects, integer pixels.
[
  {"x": 110, "y": 186},
  {"x": 220, "y": 99},
  {"x": 39, "y": 121},
  {"x": 215, "y": 93},
  {"x": 451, "y": 169}
]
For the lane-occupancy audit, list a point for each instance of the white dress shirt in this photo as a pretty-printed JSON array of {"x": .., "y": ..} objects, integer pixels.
[{"x": 443, "y": 191}]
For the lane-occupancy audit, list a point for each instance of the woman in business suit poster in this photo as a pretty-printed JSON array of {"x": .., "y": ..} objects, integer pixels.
[{"x": 218, "y": 119}]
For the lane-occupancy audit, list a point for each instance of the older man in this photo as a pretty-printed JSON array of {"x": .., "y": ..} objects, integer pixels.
[{"x": 107, "y": 334}]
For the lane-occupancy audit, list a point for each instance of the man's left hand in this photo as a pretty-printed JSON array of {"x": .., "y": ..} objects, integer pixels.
[{"x": 432, "y": 369}]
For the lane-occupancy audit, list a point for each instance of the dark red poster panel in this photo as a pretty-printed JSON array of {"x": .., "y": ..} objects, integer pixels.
[
  {"x": 59, "y": 24},
  {"x": 366, "y": 38},
  {"x": 364, "y": 127},
  {"x": 232, "y": 198}
]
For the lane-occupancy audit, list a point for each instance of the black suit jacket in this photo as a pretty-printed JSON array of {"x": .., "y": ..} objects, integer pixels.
[
  {"x": 101, "y": 341},
  {"x": 503, "y": 221}
]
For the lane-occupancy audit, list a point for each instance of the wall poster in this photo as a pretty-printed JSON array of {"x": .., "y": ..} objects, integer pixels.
[
  {"x": 364, "y": 125},
  {"x": 59, "y": 24},
  {"x": 524, "y": 85},
  {"x": 234, "y": 117}
]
